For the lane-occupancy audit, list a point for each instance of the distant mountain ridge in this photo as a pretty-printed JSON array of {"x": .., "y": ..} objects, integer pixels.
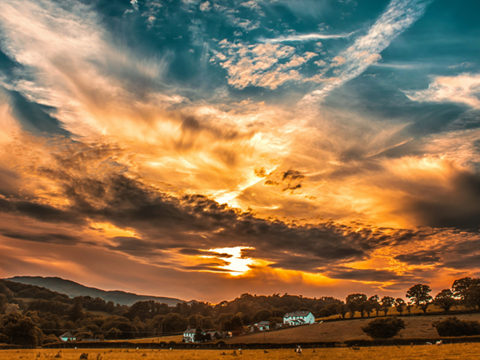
[{"x": 73, "y": 289}]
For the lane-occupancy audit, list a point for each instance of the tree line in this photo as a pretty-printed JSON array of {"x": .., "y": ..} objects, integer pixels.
[
  {"x": 465, "y": 292},
  {"x": 31, "y": 315}
]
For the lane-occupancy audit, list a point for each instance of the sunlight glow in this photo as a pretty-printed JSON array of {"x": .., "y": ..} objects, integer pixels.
[{"x": 237, "y": 265}]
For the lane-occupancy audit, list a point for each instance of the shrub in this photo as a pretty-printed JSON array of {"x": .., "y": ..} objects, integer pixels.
[
  {"x": 384, "y": 328},
  {"x": 51, "y": 339},
  {"x": 455, "y": 327}
]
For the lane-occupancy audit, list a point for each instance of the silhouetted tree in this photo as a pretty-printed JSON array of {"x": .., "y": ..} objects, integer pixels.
[
  {"x": 460, "y": 286},
  {"x": 399, "y": 304},
  {"x": 386, "y": 303},
  {"x": 353, "y": 301},
  {"x": 444, "y": 299},
  {"x": 375, "y": 301},
  {"x": 420, "y": 295},
  {"x": 342, "y": 310}
]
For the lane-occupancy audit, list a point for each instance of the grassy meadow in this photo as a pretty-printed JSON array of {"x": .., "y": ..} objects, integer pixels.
[{"x": 454, "y": 351}]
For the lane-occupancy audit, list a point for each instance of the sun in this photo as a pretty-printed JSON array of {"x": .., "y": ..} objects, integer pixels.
[{"x": 238, "y": 265}]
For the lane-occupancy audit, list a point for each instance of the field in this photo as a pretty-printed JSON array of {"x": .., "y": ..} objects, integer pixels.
[
  {"x": 455, "y": 351},
  {"x": 176, "y": 338},
  {"x": 415, "y": 327}
]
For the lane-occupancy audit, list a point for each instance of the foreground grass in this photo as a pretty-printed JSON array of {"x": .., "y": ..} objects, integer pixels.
[{"x": 454, "y": 351}]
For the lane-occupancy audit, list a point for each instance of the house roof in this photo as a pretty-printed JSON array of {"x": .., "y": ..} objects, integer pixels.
[
  {"x": 68, "y": 334},
  {"x": 264, "y": 323},
  {"x": 190, "y": 331},
  {"x": 302, "y": 313}
]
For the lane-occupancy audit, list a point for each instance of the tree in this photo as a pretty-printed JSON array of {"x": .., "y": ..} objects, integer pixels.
[
  {"x": 352, "y": 307},
  {"x": 356, "y": 297},
  {"x": 113, "y": 334},
  {"x": 235, "y": 323},
  {"x": 3, "y": 303},
  {"x": 399, "y": 304},
  {"x": 375, "y": 301},
  {"x": 444, "y": 299},
  {"x": 353, "y": 301},
  {"x": 22, "y": 330},
  {"x": 76, "y": 312},
  {"x": 200, "y": 336},
  {"x": 384, "y": 328},
  {"x": 262, "y": 315},
  {"x": 324, "y": 313},
  {"x": 387, "y": 302},
  {"x": 409, "y": 307},
  {"x": 472, "y": 295},
  {"x": 342, "y": 310},
  {"x": 365, "y": 307},
  {"x": 460, "y": 286},
  {"x": 420, "y": 295}
]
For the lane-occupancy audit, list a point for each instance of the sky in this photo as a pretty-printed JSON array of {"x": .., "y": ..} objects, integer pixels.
[{"x": 204, "y": 149}]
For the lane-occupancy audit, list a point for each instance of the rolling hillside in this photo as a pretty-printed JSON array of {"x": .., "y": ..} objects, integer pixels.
[
  {"x": 415, "y": 327},
  {"x": 73, "y": 289}
]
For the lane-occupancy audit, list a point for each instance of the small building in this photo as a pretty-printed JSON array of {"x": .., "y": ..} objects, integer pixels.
[
  {"x": 298, "y": 318},
  {"x": 189, "y": 335},
  {"x": 67, "y": 337},
  {"x": 263, "y": 325}
]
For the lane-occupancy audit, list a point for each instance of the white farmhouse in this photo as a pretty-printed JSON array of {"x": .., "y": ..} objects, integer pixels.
[
  {"x": 299, "y": 318},
  {"x": 189, "y": 335}
]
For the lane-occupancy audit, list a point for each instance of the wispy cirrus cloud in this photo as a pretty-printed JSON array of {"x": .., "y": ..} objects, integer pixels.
[
  {"x": 304, "y": 37},
  {"x": 398, "y": 17}
]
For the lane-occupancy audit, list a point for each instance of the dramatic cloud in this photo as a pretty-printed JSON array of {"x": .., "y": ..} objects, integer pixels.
[{"x": 167, "y": 143}]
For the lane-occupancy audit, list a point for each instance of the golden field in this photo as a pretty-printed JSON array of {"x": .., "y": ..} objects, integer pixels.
[
  {"x": 176, "y": 338},
  {"x": 455, "y": 351},
  {"x": 415, "y": 327}
]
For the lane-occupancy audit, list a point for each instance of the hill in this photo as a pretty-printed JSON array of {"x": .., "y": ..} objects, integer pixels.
[
  {"x": 73, "y": 289},
  {"x": 415, "y": 327}
]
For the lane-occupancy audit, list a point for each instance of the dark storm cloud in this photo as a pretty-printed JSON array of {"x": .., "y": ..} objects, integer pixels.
[
  {"x": 419, "y": 258},
  {"x": 61, "y": 239},
  {"x": 196, "y": 252},
  {"x": 457, "y": 206},
  {"x": 345, "y": 273},
  {"x": 463, "y": 263},
  {"x": 133, "y": 246},
  {"x": 190, "y": 222},
  {"x": 40, "y": 212}
]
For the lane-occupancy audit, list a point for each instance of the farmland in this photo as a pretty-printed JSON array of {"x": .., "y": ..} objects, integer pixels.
[
  {"x": 176, "y": 338},
  {"x": 455, "y": 351},
  {"x": 415, "y": 327}
]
